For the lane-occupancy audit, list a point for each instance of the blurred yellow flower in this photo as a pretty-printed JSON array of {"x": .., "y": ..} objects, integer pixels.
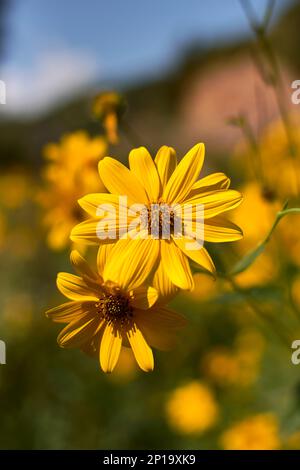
[
  {"x": 15, "y": 188},
  {"x": 169, "y": 187},
  {"x": 192, "y": 408},
  {"x": 70, "y": 173},
  {"x": 259, "y": 432},
  {"x": 281, "y": 168},
  {"x": 108, "y": 107},
  {"x": 240, "y": 366},
  {"x": 106, "y": 312},
  {"x": 256, "y": 215}
]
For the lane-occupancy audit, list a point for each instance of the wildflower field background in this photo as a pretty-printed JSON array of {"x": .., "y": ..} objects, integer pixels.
[{"x": 229, "y": 383}]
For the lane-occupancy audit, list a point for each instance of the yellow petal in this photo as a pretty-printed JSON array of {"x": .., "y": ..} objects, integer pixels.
[
  {"x": 184, "y": 176},
  {"x": 199, "y": 256},
  {"x": 176, "y": 265},
  {"x": 219, "y": 229},
  {"x": 103, "y": 256},
  {"x": 215, "y": 181},
  {"x": 143, "y": 167},
  {"x": 75, "y": 288},
  {"x": 144, "y": 297},
  {"x": 110, "y": 348},
  {"x": 78, "y": 332},
  {"x": 91, "y": 202},
  {"x": 69, "y": 311},
  {"x": 131, "y": 262},
  {"x": 118, "y": 179},
  {"x": 159, "y": 326},
  {"x": 166, "y": 163},
  {"x": 140, "y": 348},
  {"x": 81, "y": 265},
  {"x": 95, "y": 231},
  {"x": 216, "y": 202},
  {"x": 163, "y": 284}
]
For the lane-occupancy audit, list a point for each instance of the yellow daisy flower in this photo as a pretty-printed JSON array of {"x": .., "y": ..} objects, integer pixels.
[
  {"x": 102, "y": 315},
  {"x": 71, "y": 172},
  {"x": 168, "y": 187}
]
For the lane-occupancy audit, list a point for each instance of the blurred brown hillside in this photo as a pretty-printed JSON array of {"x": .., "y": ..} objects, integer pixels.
[{"x": 190, "y": 103}]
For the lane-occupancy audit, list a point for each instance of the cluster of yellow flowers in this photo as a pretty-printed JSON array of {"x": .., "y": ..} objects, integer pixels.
[{"x": 124, "y": 301}]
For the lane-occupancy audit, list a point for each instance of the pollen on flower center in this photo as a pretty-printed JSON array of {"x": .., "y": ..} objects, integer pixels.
[
  {"x": 115, "y": 309},
  {"x": 159, "y": 220}
]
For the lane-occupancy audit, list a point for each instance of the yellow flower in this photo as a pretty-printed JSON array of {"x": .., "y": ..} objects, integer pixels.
[
  {"x": 258, "y": 432},
  {"x": 170, "y": 188},
  {"x": 108, "y": 107},
  {"x": 256, "y": 215},
  {"x": 70, "y": 173},
  {"x": 104, "y": 315},
  {"x": 192, "y": 408},
  {"x": 239, "y": 367}
]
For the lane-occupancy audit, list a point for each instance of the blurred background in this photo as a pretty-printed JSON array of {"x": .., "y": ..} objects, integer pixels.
[{"x": 177, "y": 73}]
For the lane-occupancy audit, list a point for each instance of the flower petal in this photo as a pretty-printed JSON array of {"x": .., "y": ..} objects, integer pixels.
[
  {"x": 81, "y": 266},
  {"x": 140, "y": 348},
  {"x": 216, "y": 202},
  {"x": 166, "y": 163},
  {"x": 199, "y": 256},
  {"x": 143, "y": 167},
  {"x": 92, "y": 202},
  {"x": 163, "y": 284},
  {"x": 69, "y": 311},
  {"x": 219, "y": 229},
  {"x": 184, "y": 176},
  {"x": 75, "y": 288},
  {"x": 103, "y": 256},
  {"x": 78, "y": 332},
  {"x": 110, "y": 348},
  {"x": 176, "y": 265},
  {"x": 159, "y": 326},
  {"x": 215, "y": 181},
  {"x": 118, "y": 179},
  {"x": 95, "y": 231},
  {"x": 144, "y": 297},
  {"x": 131, "y": 262}
]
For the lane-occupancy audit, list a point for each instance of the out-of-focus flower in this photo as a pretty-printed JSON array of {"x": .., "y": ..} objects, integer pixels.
[
  {"x": 192, "y": 408},
  {"x": 108, "y": 107},
  {"x": 239, "y": 367},
  {"x": 109, "y": 308},
  {"x": 256, "y": 215},
  {"x": 70, "y": 173},
  {"x": 281, "y": 158},
  {"x": 15, "y": 188},
  {"x": 259, "y": 432},
  {"x": 169, "y": 188}
]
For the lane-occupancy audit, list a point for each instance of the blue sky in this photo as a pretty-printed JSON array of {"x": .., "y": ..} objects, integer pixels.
[{"x": 57, "y": 46}]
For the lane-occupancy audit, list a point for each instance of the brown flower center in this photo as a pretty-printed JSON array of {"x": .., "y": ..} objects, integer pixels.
[
  {"x": 114, "y": 307},
  {"x": 159, "y": 220}
]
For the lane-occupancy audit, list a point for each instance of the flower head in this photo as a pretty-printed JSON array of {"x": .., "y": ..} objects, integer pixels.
[
  {"x": 102, "y": 315},
  {"x": 71, "y": 172},
  {"x": 191, "y": 408},
  {"x": 258, "y": 432},
  {"x": 162, "y": 190}
]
